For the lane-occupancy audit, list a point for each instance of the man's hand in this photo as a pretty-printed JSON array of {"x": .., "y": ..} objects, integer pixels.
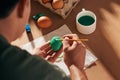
[
  {"x": 74, "y": 51},
  {"x": 47, "y": 53}
]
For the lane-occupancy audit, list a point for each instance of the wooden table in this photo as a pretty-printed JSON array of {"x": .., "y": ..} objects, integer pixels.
[{"x": 104, "y": 42}]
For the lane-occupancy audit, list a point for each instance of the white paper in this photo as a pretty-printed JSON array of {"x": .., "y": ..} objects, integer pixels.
[{"x": 90, "y": 58}]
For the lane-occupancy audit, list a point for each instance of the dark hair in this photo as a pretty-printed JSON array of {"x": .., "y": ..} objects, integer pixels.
[{"x": 6, "y": 7}]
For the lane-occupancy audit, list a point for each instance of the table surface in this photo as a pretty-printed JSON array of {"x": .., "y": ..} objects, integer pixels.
[{"x": 104, "y": 42}]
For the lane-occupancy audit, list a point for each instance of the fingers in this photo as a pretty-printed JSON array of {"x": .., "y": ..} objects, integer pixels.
[
  {"x": 77, "y": 74},
  {"x": 55, "y": 55},
  {"x": 66, "y": 44},
  {"x": 71, "y": 36},
  {"x": 42, "y": 50},
  {"x": 47, "y": 53},
  {"x": 45, "y": 45},
  {"x": 73, "y": 46}
]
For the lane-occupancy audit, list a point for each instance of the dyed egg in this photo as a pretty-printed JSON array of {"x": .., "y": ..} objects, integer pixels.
[
  {"x": 57, "y": 4},
  {"x": 56, "y": 43},
  {"x": 44, "y": 22}
]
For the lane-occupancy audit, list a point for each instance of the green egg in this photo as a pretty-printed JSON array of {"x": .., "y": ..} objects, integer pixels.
[{"x": 56, "y": 43}]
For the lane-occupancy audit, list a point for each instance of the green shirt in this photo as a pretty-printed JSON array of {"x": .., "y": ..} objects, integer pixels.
[{"x": 18, "y": 64}]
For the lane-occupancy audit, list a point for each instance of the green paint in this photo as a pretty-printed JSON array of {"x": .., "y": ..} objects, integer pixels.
[
  {"x": 38, "y": 16},
  {"x": 86, "y": 20},
  {"x": 56, "y": 43}
]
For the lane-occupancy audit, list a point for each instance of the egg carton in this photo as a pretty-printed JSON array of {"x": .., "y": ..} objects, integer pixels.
[{"x": 65, "y": 11}]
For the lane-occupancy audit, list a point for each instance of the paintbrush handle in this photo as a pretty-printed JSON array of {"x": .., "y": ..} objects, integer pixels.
[{"x": 74, "y": 39}]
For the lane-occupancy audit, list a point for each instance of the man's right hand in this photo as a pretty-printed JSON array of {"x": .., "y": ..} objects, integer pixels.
[{"x": 74, "y": 51}]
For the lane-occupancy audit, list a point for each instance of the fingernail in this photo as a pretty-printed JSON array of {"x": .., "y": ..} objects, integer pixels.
[
  {"x": 75, "y": 42},
  {"x": 66, "y": 38},
  {"x": 72, "y": 66}
]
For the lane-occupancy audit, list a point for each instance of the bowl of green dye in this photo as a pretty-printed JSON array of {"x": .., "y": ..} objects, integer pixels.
[{"x": 86, "y": 22}]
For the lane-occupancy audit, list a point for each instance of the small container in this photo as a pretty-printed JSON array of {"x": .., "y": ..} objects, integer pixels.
[
  {"x": 86, "y": 22},
  {"x": 28, "y": 29}
]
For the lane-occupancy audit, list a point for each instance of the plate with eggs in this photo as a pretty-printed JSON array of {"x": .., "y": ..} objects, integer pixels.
[{"x": 60, "y": 7}]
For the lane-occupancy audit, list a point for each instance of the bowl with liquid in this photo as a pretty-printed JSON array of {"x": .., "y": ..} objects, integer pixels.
[{"x": 86, "y": 22}]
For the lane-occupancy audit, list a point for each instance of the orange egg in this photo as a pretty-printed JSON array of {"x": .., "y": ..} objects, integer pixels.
[
  {"x": 44, "y": 22},
  {"x": 57, "y": 4}
]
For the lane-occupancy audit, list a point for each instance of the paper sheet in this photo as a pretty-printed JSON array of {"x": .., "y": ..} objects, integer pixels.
[{"x": 90, "y": 58}]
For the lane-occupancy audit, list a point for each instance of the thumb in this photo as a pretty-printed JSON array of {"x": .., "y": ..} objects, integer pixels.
[
  {"x": 77, "y": 74},
  {"x": 66, "y": 44}
]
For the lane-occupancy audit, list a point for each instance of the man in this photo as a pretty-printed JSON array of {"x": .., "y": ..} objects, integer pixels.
[{"x": 17, "y": 64}]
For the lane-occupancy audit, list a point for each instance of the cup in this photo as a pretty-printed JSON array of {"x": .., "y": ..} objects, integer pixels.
[{"x": 86, "y": 22}]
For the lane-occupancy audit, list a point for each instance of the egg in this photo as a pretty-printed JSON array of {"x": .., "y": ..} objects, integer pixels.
[
  {"x": 56, "y": 43},
  {"x": 44, "y": 22},
  {"x": 57, "y": 4}
]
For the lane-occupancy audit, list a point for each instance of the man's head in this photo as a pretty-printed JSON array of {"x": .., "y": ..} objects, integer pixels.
[
  {"x": 14, "y": 15},
  {"x": 6, "y": 7}
]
